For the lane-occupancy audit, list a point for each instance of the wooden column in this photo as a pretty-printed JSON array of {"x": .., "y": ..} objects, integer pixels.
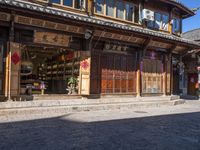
[
  {"x": 138, "y": 87},
  {"x": 138, "y": 81},
  {"x": 171, "y": 67},
  {"x": 171, "y": 74},
  {"x": 90, "y": 7},
  {"x": 165, "y": 77},
  {"x": 7, "y": 86}
]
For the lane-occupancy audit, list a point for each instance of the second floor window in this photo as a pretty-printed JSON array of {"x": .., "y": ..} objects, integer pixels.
[
  {"x": 165, "y": 22},
  {"x": 100, "y": 6},
  {"x": 78, "y": 4},
  {"x": 68, "y": 3},
  {"x": 129, "y": 12},
  {"x": 176, "y": 25},
  {"x": 117, "y": 9},
  {"x": 110, "y": 8},
  {"x": 55, "y": 1},
  {"x": 120, "y": 10},
  {"x": 160, "y": 22},
  {"x": 157, "y": 21}
]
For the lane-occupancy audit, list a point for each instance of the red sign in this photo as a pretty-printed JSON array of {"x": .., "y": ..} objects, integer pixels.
[
  {"x": 15, "y": 58},
  {"x": 85, "y": 64}
]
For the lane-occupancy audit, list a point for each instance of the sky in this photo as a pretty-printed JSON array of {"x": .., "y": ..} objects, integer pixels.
[{"x": 192, "y": 22}]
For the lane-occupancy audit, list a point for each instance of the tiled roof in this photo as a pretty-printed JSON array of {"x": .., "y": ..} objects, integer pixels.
[
  {"x": 179, "y": 2},
  {"x": 192, "y": 35},
  {"x": 93, "y": 20}
]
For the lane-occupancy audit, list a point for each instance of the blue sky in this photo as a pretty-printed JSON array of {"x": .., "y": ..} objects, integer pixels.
[{"x": 192, "y": 22}]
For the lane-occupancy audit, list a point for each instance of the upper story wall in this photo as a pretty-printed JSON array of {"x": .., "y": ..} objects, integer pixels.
[{"x": 165, "y": 17}]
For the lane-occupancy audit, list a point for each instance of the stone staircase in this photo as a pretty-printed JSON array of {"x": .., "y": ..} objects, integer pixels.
[{"x": 80, "y": 105}]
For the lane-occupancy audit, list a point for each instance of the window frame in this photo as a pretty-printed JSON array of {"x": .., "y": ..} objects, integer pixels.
[
  {"x": 104, "y": 14},
  {"x": 133, "y": 13},
  {"x": 179, "y": 28},
  {"x": 161, "y": 22},
  {"x": 123, "y": 9},
  {"x": 71, "y": 7}
]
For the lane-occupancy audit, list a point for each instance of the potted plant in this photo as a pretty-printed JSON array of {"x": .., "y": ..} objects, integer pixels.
[{"x": 72, "y": 85}]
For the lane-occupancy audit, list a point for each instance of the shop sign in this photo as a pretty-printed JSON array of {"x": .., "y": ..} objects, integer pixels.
[
  {"x": 15, "y": 58},
  {"x": 51, "y": 38}
]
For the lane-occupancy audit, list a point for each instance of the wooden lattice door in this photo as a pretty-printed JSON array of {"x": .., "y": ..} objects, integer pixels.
[
  {"x": 152, "y": 76},
  {"x": 118, "y": 74}
]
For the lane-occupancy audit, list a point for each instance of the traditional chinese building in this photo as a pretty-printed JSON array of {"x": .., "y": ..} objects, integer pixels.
[
  {"x": 192, "y": 66},
  {"x": 98, "y": 47}
]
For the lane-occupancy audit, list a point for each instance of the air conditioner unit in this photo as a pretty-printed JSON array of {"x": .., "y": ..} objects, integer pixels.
[{"x": 148, "y": 14}]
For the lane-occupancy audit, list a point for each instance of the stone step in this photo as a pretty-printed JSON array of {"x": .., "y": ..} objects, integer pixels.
[
  {"x": 51, "y": 109},
  {"x": 70, "y": 102}
]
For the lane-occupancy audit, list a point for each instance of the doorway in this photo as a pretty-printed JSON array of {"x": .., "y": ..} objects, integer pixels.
[
  {"x": 192, "y": 81},
  {"x": 118, "y": 73},
  {"x": 48, "y": 69}
]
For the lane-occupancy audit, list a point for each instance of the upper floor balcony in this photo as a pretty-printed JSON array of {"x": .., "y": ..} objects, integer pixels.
[{"x": 165, "y": 16}]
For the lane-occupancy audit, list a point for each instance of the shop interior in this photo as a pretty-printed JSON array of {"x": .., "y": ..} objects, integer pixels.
[{"x": 48, "y": 70}]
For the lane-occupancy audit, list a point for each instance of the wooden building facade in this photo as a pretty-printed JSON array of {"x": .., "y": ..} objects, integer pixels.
[{"x": 110, "y": 47}]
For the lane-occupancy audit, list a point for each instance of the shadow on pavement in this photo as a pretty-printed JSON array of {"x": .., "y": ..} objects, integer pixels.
[
  {"x": 169, "y": 132},
  {"x": 189, "y": 97}
]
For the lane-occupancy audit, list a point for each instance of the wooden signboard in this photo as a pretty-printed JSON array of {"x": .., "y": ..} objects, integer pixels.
[
  {"x": 84, "y": 87},
  {"x": 51, "y": 38},
  {"x": 48, "y": 24},
  {"x": 4, "y": 16}
]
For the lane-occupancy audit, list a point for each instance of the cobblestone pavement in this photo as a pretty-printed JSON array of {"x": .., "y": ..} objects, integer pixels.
[{"x": 165, "y": 128}]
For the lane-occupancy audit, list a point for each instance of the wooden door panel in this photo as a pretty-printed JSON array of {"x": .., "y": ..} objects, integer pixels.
[
  {"x": 117, "y": 86},
  {"x": 120, "y": 74},
  {"x": 124, "y": 86},
  {"x": 152, "y": 76}
]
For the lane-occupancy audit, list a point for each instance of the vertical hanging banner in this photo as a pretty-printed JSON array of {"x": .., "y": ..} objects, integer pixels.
[{"x": 85, "y": 66}]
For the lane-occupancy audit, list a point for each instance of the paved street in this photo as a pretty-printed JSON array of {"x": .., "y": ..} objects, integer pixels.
[{"x": 165, "y": 128}]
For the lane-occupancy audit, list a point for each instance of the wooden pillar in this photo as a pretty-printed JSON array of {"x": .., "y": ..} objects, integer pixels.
[
  {"x": 7, "y": 73},
  {"x": 85, "y": 68},
  {"x": 165, "y": 76},
  {"x": 140, "y": 11},
  {"x": 8, "y": 59},
  {"x": 90, "y": 7},
  {"x": 171, "y": 75},
  {"x": 138, "y": 81}
]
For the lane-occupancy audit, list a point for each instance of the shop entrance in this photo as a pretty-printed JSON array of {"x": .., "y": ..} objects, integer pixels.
[
  {"x": 152, "y": 76},
  {"x": 118, "y": 73},
  {"x": 192, "y": 82},
  {"x": 48, "y": 70}
]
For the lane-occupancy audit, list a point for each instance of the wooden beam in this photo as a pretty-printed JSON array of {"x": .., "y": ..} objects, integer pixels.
[
  {"x": 146, "y": 45},
  {"x": 172, "y": 48}
]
